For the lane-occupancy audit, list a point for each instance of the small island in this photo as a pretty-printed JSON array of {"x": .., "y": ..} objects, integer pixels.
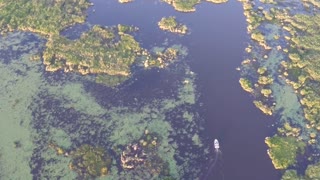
[
  {"x": 246, "y": 85},
  {"x": 125, "y": 1},
  {"x": 170, "y": 24},
  {"x": 100, "y": 50},
  {"x": 284, "y": 150},
  {"x": 188, "y": 5}
]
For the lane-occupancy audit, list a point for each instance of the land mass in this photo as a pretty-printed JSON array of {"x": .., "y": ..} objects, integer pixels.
[
  {"x": 170, "y": 24},
  {"x": 188, "y": 5}
]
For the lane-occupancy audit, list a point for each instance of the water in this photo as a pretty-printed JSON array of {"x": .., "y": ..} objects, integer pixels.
[
  {"x": 216, "y": 45},
  {"x": 71, "y": 110}
]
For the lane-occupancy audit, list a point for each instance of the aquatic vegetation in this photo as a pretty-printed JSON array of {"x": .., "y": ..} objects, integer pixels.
[
  {"x": 17, "y": 74},
  {"x": 82, "y": 120},
  {"x": 110, "y": 80},
  {"x": 307, "y": 48},
  {"x": 165, "y": 57},
  {"x": 312, "y": 172},
  {"x": 290, "y": 175},
  {"x": 89, "y": 161},
  {"x": 284, "y": 150},
  {"x": 285, "y": 49},
  {"x": 143, "y": 154},
  {"x": 289, "y": 130},
  {"x": 126, "y": 29},
  {"x": 171, "y": 24}
]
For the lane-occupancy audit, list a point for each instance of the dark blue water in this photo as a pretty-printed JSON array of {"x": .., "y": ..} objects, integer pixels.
[{"x": 216, "y": 45}]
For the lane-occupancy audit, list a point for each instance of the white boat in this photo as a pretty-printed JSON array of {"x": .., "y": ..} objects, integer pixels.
[{"x": 216, "y": 144}]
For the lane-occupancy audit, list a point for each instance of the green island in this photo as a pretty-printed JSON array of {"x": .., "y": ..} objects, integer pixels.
[
  {"x": 283, "y": 65},
  {"x": 246, "y": 85},
  {"x": 170, "y": 24},
  {"x": 284, "y": 150},
  {"x": 100, "y": 50},
  {"x": 46, "y": 17},
  {"x": 188, "y": 5}
]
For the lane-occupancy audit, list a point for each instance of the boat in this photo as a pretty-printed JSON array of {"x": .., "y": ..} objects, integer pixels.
[{"x": 216, "y": 144}]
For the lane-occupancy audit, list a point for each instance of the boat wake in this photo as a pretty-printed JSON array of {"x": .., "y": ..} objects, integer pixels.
[{"x": 213, "y": 162}]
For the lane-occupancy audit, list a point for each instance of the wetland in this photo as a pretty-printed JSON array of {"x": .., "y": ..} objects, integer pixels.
[{"x": 89, "y": 90}]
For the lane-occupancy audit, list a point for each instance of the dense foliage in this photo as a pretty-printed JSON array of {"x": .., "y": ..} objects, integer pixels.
[
  {"x": 99, "y": 50},
  {"x": 170, "y": 24},
  {"x": 42, "y": 16},
  {"x": 284, "y": 150}
]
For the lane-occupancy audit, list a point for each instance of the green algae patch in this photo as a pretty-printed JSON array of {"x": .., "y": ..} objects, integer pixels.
[
  {"x": 284, "y": 150},
  {"x": 46, "y": 17},
  {"x": 19, "y": 81},
  {"x": 110, "y": 80},
  {"x": 170, "y": 24}
]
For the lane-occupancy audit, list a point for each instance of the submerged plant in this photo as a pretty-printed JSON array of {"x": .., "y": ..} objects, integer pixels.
[{"x": 89, "y": 161}]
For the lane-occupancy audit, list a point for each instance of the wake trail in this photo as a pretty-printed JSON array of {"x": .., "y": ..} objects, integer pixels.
[{"x": 213, "y": 163}]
